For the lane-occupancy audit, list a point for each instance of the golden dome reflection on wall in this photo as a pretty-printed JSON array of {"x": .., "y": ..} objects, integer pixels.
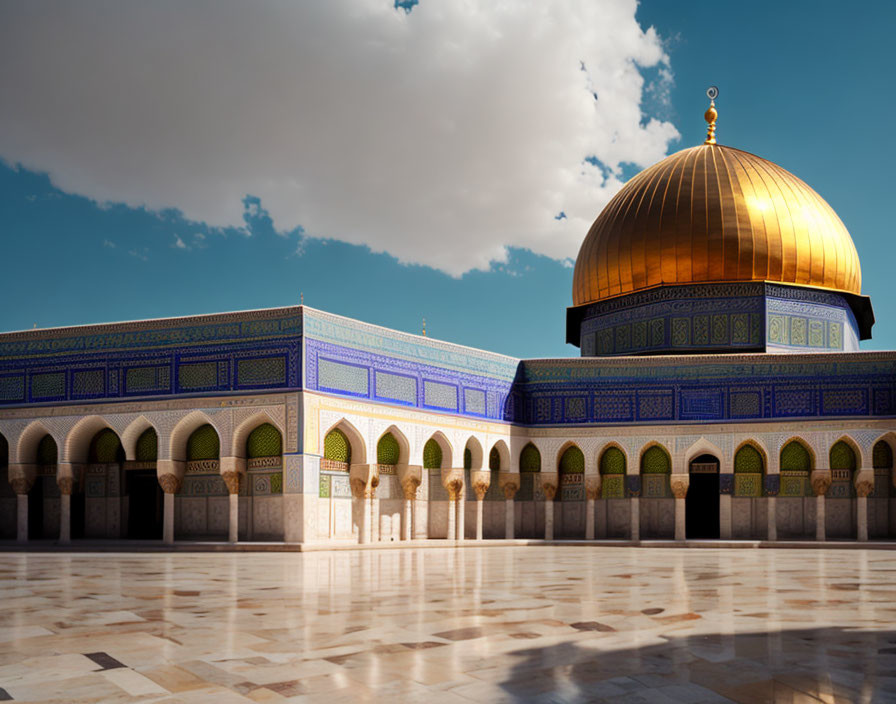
[{"x": 710, "y": 214}]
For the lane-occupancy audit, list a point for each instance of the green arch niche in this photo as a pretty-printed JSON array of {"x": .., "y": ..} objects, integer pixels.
[
  {"x": 468, "y": 458},
  {"x": 748, "y": 460},
  {"x": 612, "y": 461},
  {"x": 203, "y": 444},
  {"x": 530, "y": 459},
  {"x": 842, "y": 456},
  {"x": 105, "y": 447},
  {"x": 264, "y": 441},
  {"x": 795, "y": 457},
  {"x": 655, "y": 461},
  {"x": 572, "y": 461},
  {"x": 337, "y": 447},
  {"x": 432, "y": 455},
  {"x": 388, "y": 450},
  {"x": 494, "y": 460},
  {"x": 147, "y": 446}
]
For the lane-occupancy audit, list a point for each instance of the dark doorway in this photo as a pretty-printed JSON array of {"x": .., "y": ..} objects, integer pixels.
[
  {"x": 702, "y": 502},
  {"x": 145, "y": 504},
  {"x": 36, "y": 508}
]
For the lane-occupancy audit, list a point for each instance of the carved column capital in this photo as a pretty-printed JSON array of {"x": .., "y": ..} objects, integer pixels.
[
  {"x": 549, "y": 482},
  {"x": 170, "y": 483},
  {"x": 592, "y": 486},
  {"x": 66, "y": 484},
  {"x": 864, "y": 482},
  {"x": 481, "y": 480},
  {"x": 21, "y": 485},
  {"x": 232, "y": 480},
  {"x": 410, "y": 488},
  {"x": 455, "y": 489},
  {"x": 821, "y": 481},
  {"x": 679, "y": 484},
  {"x": 509, "y": 483}
]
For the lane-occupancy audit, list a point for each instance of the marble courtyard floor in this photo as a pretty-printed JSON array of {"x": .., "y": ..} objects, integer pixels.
[{"x": 533, "y": 624}]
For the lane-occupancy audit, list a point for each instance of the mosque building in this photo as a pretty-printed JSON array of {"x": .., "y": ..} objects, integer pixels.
[{"x": 720, "y": 393}]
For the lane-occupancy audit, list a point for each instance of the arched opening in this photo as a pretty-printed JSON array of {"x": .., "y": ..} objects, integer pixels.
[
  {"x": 261, "y": 490},
  {"x": 7, "y": 495},
  {"x": 749, "y": 517},
  {"x": 571, "y": 492},
  {"x": 656, "y": 494},
  {"x": 702, "y": 501},
  {"x": 389, "y": 493},
  {"x": 494, "y": 460},
  {"x": 432, "y": 455},
  {"x": 43, "y": 499},
  {"x": 102, "y": 486},
  {"x": 341, "y": 448},
  {"x": 613, "y": 521},
  {"x": 337, "y": 452},
  {"x": 530, "y": 520},
  {"x": 202, "y": 507},
  {"x": 388, "y": 452},
  {"x": 840, "y": 516},
  {"x": 881, "y": 520},
  {"x": 793, "y": 517},
  {"x": 145, "y": 500}
]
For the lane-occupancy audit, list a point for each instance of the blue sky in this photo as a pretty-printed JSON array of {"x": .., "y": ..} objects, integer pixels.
[{"x": 803, "y": 84}]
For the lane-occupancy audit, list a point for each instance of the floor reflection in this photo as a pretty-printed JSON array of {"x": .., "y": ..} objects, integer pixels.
[{"x": 542, "y": 624}]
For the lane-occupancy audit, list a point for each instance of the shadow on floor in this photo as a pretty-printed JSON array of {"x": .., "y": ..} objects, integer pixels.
[{"x": 806, "y": 665}]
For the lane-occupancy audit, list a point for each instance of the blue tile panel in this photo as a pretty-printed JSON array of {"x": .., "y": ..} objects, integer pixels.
[
  {"x": 699, "y": 389},
  {"x": 200, "y": 355}
]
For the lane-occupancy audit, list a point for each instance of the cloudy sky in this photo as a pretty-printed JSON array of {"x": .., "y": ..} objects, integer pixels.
[{"x": 441, "y": 160}]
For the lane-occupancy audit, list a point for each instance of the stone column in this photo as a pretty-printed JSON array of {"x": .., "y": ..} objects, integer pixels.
[
  {"x": 772, "y": 487},
  {"x": 549, "y": 483},
  {"x": 410, "y": 477},
  {"x": 481, "y": 480},
  {"x": 592, "y": 493},
  {"x": 864, "y": 482},
  {"x": 460, "y": 505},
  {"x": 361, "y": 477},
  {"x": 374, "y": 509},
  {"x": 821, "y": 482},
  {"x": 726, "y": 489},
  {"x": 633, "y": 486},
  {"x": 679, "y": 484},
  {"x": 21, "y": 478},
  {"x": 170, "y": 484},
  {"x": 510, "y": 484},
  {"x": 232, "y": 480},
  {"x": 453, "y": 481},
  {"x": 65, "y": 509}
]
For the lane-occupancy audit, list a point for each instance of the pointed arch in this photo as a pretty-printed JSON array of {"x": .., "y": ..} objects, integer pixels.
[
  {"x": 204, "y": 443},
  {"x": 843, "y": 458},
  {"x": 437, "y": 452},
  {"x": 26, "y": 446},
  {"x": 239, "y": 446},
  {"x": 797, "y": 456},
  {"x": 612, "y": 459},
  {"x": 357, "y": 448},
  {"x": 570, "y": 459},
  {"x": 392, "y": 446},
  {"x": 530, "y": 458},
  {"x": 186, "y": 426},
  {"x": 265, "y": 440},
  {"x": 79, "y": 438},
  {"x": 702, "y": 447},
  {"x": 499, "y": 457},
  {"x": 750, "y": 458},
  {"x": 147, "y": 446},
  {"x": 853, "y": 446},
  {"x": 47, "y": 451},
  {"x": 133, "y": 432},
  {"x": 105, "y": 448},
  {"x": 472, "y": 454},
  {"x": 882, "y": 455},
  {"x": 655, "y": 459}
]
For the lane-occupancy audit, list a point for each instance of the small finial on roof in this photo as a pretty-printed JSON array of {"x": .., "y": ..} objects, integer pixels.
[
  {"x": 711, "y": 115},
  {"x": 424, "y": 327},
  {"x": 302, "y": 298}
]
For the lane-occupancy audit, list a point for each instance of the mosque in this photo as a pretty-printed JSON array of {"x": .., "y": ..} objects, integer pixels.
[{"x": 720, "y": 393}]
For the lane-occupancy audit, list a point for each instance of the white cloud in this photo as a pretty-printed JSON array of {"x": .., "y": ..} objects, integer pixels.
[
  {"x": 441, "y": 136},
  {"x": 179, "y": 243}
]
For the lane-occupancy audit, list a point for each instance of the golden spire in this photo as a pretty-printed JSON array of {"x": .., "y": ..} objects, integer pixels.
[
  {"x": 424, "y": 327},
  {"x": 711, "y": 115}
]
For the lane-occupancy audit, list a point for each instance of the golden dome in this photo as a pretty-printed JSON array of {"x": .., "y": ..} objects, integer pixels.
[{"x": 714, "y": 214}]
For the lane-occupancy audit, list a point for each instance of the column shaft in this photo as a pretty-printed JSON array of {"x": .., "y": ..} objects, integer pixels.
[
  {"x": 772, "y": 518},
  {"x": 460, "y": 506},
  {"x": 589, "y": 519},
  {"x": 364, "y": 525},
  {"x": 680, "y": 519},
  {"x": 635, "y": 524},
  {"x": 406, "y": 531},
  {"x": 862, "y": 519},
  {"x": 451, "y": 533},
  {"x": 233, "y": 532},
  {"x": 479, "y": 505},
  {"x": 374, "y": 519},
  {"x": 22, "y": 518},
  {"x": 819, "y": 518}
]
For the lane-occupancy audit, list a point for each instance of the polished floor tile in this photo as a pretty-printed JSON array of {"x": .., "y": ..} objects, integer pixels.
[{"x": 514, "y": 624}]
